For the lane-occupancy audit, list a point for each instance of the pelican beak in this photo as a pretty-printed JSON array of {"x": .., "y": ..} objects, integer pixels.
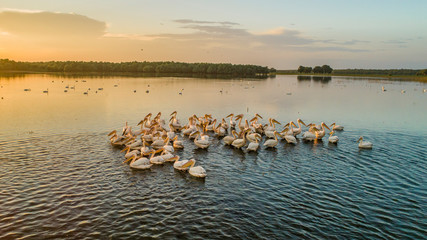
[
  {"x": 287, "y": 124},
  {"x": 111, "y": 133},
  {"x": 140, "y": 122},
  {"x": 253, "y": 119},
  {"x": 230, "y": 115},
  {"x": 176, "y": 158},
  {"x": 187, "y": 164},
  {"x": 327, "y": 127},
  {"x": 124, "y": 149},
  {"x": 257, "y": 115},
  {"x": 274, "y": 120},
  {"x": 130, "y": 158},
  {"x": 303, "y": 123},
  {"x": 174, "y": 112},
  {"x": 294, "y": 124}
]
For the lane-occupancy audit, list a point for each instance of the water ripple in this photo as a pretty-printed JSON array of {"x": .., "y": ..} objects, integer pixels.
[{"x": 75, "y": 186}]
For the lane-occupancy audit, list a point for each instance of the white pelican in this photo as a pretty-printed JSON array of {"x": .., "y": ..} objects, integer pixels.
[
  {"x": 211, "y": 127},
  {"x": 171, "y": 133},
  {"x": 363, "y": 144},
  {"x": 130, "y": 153},
  {"x": 310, "y": 135},
  {"x": 145, "y": 151},
  {"x": 197, "y": 171},
  {"x": 159, "y": 143},
  {"x": 241, "y": 141},
  {"x": 298, "y": 130},
  {"x": 177, "y": 143},
  {"x": 337, "y": 127},
  {"x": 321, "y": 133},
  {"x": 230, "y": 138},
  {"x": 270, "y": 129},
  {"x": 257, "y": 126},
  {"x": 287, "y": 137},
  {"x": 175, "y": 122},
  {"x": 168, "y": 157},
  {"x": 271, "y": 143},
  {"x": 200, "y": 143},
  {"x": 224, "y": 124},
  {"x": 191, "y": 126},
  {"x": 168, "y": 147},
  {"x": 232, "y": 122},
  {"x": 156, "y": 159},
  {"x": 333, "y": 139},
  {"x": 139, "y": 163},
  {"x": 183, "y": 164},
  {"x": 117, "y": 140},
  {"x": 239, "y": 124},
  {"x": 220, "y": 130},
  {"x": 252, "y": 137},
  {"x": 135, "y": 145},
  {"x": 253, "y": 146}
]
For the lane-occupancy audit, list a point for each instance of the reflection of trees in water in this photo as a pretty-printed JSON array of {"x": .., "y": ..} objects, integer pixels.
[
  {"x": 322, "y": 79},
  {"x": 303, "y": 78}
]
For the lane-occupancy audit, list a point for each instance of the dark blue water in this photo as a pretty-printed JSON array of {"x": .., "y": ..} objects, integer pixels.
[{"x": 63, "y": 180}]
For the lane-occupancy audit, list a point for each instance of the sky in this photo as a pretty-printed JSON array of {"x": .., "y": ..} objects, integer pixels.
[{"x": 282, "y": 34}]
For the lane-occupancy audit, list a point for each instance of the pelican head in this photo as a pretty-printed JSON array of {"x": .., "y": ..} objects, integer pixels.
[
  {"x": 124, "y": 149},
  {"x": 142, "y": 121},
  {"x": 285, "y": 130},
  {"x": 275, "y": 121},
  {"x": 130, "y": 158},
  {"x": 240, "y": 116},
  {"x": 360, "y": 139},
  {"x": 194, "y": 133},
  {"x": 333, "y": 124},
  {"x": 332, "y": 132},
  {"x": 300, "y": 121},
  {"x": 189, "y": 163},
  {"x": 148, "y": 115},
  {"x": 293, "y": 124},
  {"x": 323, "y": 124},
  {"x": 112, "y": 133},
  {"x": 174, "y": 112}
]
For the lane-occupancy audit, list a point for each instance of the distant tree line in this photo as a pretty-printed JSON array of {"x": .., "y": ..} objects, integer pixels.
[
  {"x": 325, "y": 69},
  {"x": 135, "y": 67},
  {"x": 389, "y": 72}
]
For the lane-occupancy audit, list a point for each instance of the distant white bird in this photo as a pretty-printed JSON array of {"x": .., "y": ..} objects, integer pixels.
[{"x": 363, "y": 144}]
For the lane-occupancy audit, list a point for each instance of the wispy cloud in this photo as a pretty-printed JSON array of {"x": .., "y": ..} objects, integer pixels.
[
  {"x": 190, "y": 21},
  {"x": 50, "y": 24}
]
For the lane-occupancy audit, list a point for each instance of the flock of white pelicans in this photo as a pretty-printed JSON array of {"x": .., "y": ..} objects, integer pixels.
[{"x": 153, "y": 143}]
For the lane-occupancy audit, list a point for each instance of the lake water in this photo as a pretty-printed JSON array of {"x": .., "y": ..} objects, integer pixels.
[{"x": 61, "y": 179}]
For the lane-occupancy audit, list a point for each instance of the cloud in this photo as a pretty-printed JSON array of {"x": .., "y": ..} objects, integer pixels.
[
  {"x": 190, "y": 21},
  {"x": 49, "y": 24}
]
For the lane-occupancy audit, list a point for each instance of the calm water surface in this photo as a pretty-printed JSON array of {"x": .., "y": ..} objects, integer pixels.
[{"x": 61, "y": 179}]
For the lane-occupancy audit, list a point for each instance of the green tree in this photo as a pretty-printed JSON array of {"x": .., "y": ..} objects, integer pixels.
[
  {"x": 327, "y": 69},
  {"x": 318, "y": 69}
]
